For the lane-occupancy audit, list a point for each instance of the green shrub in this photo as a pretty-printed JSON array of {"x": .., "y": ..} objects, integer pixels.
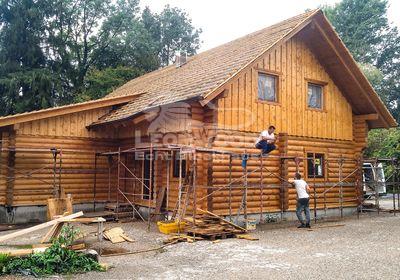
[{"x": 57, "y": 259}]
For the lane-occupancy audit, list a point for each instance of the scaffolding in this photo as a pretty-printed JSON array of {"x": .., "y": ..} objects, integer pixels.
[
  {"x": 321, "y": 189},
  {"x": 123, "y": 172}
]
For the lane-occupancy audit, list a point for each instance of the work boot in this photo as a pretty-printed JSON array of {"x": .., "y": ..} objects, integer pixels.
[
  {"x": 301, "y": 226},
  {"x": 308, "y": 226}
]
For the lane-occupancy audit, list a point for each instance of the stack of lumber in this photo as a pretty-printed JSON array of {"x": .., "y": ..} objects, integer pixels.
[
  {"x": 37, "y": 248},
  {"x": 122, "y": 212},
  {"x": 210, "y": 226},
  {"x": 179, "y": 237},
  {"x": 39, "y": 227}
]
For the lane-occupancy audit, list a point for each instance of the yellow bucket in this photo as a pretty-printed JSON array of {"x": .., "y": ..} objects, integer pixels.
[
  {"x": 171, "y": 227},
  {"x": 251, "y": 224}
]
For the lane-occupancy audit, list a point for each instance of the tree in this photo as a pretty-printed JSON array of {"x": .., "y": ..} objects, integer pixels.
[
  {"x": 366, "y": 31},
  {"x": 383, "y": 143},
  {"x": 375, "y": 44},
  {"x": 361, "y": 25},
  {"x": 25, "y": 83},
  {"x": 173, "y": 31},
  {"x": 100, "y": 82},
  {"x": 54, "y": 52},
  {"x": 80, "y": 31},
  {"x": 142, "y": 45}
]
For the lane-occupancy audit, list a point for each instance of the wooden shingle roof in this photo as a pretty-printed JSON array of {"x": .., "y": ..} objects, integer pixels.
[{"x": 201, "y": 74}]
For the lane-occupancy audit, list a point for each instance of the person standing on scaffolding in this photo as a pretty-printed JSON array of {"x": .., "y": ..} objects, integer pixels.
[
  {"x": 266, "y": 140},
  {"x": 303, "y": 200}
]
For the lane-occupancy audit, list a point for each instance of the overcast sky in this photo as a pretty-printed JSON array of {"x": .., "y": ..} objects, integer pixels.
[{"x": 225, "y": 20}]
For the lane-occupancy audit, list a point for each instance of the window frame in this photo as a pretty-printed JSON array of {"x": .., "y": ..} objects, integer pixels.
[
  {"x": 322, "y": 86},
  {"x": 313, "y": 155},
  {"x": 276, "y": 76},
  {"x": 175, "y": 165}
]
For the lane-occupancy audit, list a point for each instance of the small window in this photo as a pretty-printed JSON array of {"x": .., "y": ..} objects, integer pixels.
[
  {"x": 315, "y": 168},
  {"x": 267, "y": 87},
  {"x": 315, "y": 95},
  {"x": 175, "y": 169}
]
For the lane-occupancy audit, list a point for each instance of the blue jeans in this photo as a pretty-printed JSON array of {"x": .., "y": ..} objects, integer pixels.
[
  {"x": 265, "y": 147},
  {"x": 303, "y": 204}
]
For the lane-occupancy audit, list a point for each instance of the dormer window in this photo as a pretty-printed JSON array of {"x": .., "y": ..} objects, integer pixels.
[{"x": 267, "y": 87}]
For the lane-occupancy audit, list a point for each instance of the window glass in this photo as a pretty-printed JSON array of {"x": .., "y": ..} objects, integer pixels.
[
  {"x": 267, "y": 87},
  {"x": 314, "y": 96},
  {"x": 315, "y": 167},
  {"x": 175, "y": 169}
]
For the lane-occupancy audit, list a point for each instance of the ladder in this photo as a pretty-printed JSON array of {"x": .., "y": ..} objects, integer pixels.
[
  {"x": 185, "y": 190},
  {"x": 241, "y": 207}
]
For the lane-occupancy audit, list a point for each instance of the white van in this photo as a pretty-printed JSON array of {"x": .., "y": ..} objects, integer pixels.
[{"x": 373, "y": 178}]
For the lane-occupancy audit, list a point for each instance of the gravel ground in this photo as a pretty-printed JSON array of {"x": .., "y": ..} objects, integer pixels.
[{"x": 367, "y": 248}]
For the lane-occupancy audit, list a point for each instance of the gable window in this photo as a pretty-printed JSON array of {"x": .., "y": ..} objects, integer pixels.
[
  {"x": 267, "y": 87},
  {"x": 315, "y": 165},
  {"x": 315, "y": 96},
  {"x": 175, "y": 169}
]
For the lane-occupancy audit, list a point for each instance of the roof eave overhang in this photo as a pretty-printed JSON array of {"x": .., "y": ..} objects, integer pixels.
[
  {"x": 149, "y": 109},
  {"x": 63, "y": 110},
  {"x": 385, "y": 119}
]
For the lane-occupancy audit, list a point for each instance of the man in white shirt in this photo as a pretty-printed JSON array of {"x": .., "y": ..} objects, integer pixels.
[
  {"x": 266, "y": 140},
  {"x": 303, "y": 200}
]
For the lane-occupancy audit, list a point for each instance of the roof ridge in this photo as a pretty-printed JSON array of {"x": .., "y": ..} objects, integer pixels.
[
  {"x": 262, "y": 29},
  {"x": 303, "y": 18}
]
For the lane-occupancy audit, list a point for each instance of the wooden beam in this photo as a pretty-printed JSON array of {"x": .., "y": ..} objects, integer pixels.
[
  {"x": 367, "y": 117},
  {"x": 63, "y": 110},
  {"x": 39, "y": 227}
]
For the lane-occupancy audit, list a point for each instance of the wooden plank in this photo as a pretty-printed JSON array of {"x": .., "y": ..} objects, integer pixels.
[
  {"x": 160, "y": 199},
  {"x": 38, "y": 227},
  {"x": 51, "y": 233},
  {"x": 58, "y": 206},
  {"x": 222, "y": 219}
]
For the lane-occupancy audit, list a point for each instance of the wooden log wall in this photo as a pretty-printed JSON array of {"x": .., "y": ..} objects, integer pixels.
[
  {"x": 333, "y": 151},
  {"x": 6, "y": 188},
  {"x": 294, "y": 65},
  {"x": 33, "y": 183},
  {"x": 243, "y": 142},
  {"x": 274, "y": 198},
  {"x": 77, "y": 173},
  {"x": 360, "y": 133}
]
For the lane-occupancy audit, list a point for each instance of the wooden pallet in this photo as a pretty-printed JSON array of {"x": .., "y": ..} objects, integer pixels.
[
  {"x": 211, "y": 227},
  {"x": 121, "y": 212},
  {"x": 212, "y": 235}
]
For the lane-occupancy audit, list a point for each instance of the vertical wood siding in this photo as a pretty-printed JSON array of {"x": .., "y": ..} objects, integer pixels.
[{"x": 294, "y": 64}]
